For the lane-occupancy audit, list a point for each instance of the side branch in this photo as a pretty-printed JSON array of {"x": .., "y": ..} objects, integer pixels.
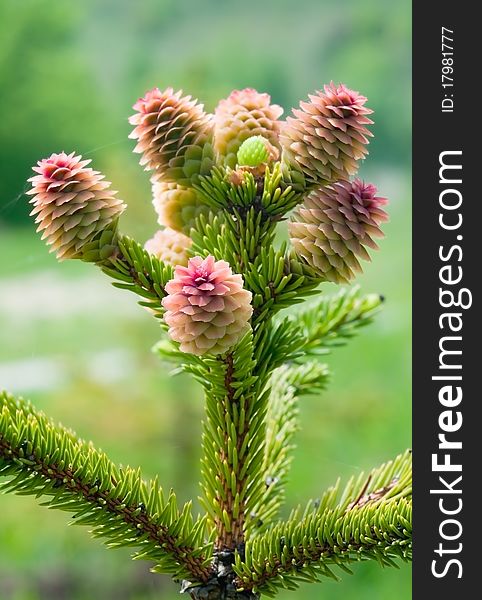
[
  {"x": 134, "y": 269},
  {"x": 334, "y": 319},
  {"x": 370, "y": 519},
  {"x": 317, "y": 329},
  {"x": 41, "y": 459},
  {"x": 287, "y": 383}
]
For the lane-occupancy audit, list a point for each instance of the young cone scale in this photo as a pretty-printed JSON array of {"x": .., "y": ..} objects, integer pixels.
[
  {"x": 177, "y": 207},
  {"x": 207, "y": 309},
  {"x": 72, "y": 203},
  {"x": 174, "y": 136},
  {"x": 170, "y": 246},
  {"x": 326, "y": 137},
  {"x": 335, "y": 225},
  {"x": 244, "y": 113}
]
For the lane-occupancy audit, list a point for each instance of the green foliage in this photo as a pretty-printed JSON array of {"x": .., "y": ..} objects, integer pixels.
[
  {"x": 333, "y": 320},
  {"x": 236, "y": 192},
  {"x": 328, "y": 322},
  {"x": 233, "y": 440},
  {"x": 137, "y": 271},
  {"x": 42, "y": 459},
  {"x": 241, "y": 230},
  {"x": 369, "y": 519},
  {"x": 286, "y": 385}
]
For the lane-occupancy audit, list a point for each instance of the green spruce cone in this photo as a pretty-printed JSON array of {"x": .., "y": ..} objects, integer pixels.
[
  {"x": 253, "y": 152},
  {"x": 334, "y": 226}
]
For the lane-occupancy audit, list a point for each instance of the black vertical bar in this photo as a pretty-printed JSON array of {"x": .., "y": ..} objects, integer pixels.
[{"x": 446, "y": 246}]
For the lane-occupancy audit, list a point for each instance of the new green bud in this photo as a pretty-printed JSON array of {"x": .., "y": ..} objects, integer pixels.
[{"x": 253, "y": 152}]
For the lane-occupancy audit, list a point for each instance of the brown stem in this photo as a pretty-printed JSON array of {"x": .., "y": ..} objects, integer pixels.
[{"x": 365, "y": 498}]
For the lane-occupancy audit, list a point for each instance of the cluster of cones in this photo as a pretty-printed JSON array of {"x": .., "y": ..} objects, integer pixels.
[
  {"x": 179, "y": 142},
  {"x": 319, "y": 147}
]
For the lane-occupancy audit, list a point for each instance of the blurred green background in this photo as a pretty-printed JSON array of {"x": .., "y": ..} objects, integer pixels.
[{"x": 69, "y": 74}]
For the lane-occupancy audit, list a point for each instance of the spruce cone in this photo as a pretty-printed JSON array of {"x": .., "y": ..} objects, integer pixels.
[
  {"x": 177, "y": 207},
  {"x": 326, "y": 138},
  {"x": 253, "y": 152},
  {"x": 244, "y": 113},
  {"x": 170, "y": 246},
  {"x": 334, "y": 226},
  {"x": 174, "y": 136},
  {"x": 207, "y": 309},
  {"x": 72, "y": 204}
]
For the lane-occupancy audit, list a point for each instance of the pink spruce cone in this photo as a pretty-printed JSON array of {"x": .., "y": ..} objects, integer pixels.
[
  {"x": 207, "y": 308},
  {"x": 170, "y": 246},
  {"x": 72, "y": 203},
  {"x": 174, "y": 136},
  {"x": 326, "y": 138},
  {"x": 243, "y": 114},
  {"x": 334, "y": 225}
]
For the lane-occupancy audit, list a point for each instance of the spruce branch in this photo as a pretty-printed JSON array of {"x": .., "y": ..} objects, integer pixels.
[
  {"x": 265, "y": 191},
  {"x": 233, "y": 436},
  {"x": 287, "y": 383},
  {"x": 332, "y": 320},
  {"x": 327, "y": 323},
  {"x": 275, "y": 284},
  {"x": 209, "y": 236},
  {"x": 307, "y": 378},
  {"x": 134, "y": 269},
  {"x": 369, "y": 519},
  {"x": 42, "y": 459},
  {"x": 243, "y": 233},
  {"x": 243, "y": 225},
  {"x": 233, "y": 442}
]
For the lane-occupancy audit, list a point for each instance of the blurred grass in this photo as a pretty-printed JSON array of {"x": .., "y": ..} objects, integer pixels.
[{"x": 82, "y": 66}]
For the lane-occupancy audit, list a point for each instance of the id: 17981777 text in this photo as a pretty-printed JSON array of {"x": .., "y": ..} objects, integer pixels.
[{"x": 447, "y": 62}]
